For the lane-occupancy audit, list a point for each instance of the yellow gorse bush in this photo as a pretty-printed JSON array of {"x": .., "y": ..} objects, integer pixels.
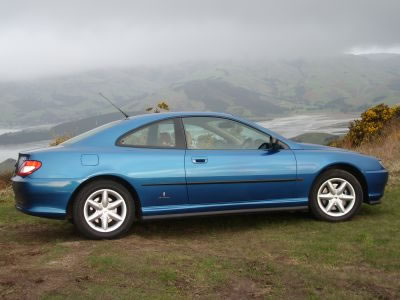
[
  {"x": 60, "y": 139},
  {"x": 163, "y": 105},
  {"x": 372, "y": 123}
]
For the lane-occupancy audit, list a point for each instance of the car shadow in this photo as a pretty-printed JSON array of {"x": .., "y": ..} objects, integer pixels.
[
  {"x": 63, "y": 231},
  {"x": 204, "y": 225},
  {"x": 50, "y": 231}
]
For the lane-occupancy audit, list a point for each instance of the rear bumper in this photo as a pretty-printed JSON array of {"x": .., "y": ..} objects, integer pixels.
[
  {"x": 376, "y": 181},
  {"x": 43, "y": 197}
]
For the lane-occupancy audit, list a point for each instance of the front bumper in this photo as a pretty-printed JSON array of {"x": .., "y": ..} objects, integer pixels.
[
  {"x": 376, "y": 182},
  {"x": 43, "y": 197}
]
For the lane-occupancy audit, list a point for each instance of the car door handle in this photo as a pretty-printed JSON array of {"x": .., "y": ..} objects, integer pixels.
[{"x": 199, "y": 160}]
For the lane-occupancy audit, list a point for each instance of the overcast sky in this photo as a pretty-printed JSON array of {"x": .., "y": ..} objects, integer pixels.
[{"x": 45, "y": 38}]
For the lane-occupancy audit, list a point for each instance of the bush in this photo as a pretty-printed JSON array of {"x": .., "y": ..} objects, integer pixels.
[
  {"x": 162, "y": 105},
  {"x": 371, "y": 125},
  {"x": 60, "y": 139},
  {"x": 5, "y": 179}
]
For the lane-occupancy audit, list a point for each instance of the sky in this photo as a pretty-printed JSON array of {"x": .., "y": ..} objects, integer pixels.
[{"x": 46, "y": 37}]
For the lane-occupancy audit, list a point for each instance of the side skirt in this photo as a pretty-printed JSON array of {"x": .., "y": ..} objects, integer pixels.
[{"x": 225, "y": 212}]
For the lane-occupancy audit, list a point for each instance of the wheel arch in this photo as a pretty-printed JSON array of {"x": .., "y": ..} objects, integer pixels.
[
  {"x": 115, "y": 178},
  {"x": 349, "y": 168}
]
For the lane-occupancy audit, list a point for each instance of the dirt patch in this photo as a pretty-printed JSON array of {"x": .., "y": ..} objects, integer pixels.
[
  {"x": 31, "y": 283},
  {"x": 33, "y": 266},
  {"x": 378, "y": 292},
  {"x": 381, "y": 284},
  {"x": 245, "y": 288}
]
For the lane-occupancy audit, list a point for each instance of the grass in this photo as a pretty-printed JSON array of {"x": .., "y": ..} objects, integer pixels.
[
  {"x": 386, "y": 148},
  {"x": 279, "y": 255}
]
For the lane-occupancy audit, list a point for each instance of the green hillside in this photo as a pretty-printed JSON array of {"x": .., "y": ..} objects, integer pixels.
[{"x": 345, "y": 83}]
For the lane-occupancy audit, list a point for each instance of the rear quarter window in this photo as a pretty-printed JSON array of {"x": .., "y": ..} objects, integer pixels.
[
  {"x": 160, "y": 134},
  {"x": 90, "y": 133}
]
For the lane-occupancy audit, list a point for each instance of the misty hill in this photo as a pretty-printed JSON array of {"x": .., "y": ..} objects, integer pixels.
[
  {"x": 343, "y": 83},
  {"x": 68, "y": 128},
  {"x": 7, "y": 166}
]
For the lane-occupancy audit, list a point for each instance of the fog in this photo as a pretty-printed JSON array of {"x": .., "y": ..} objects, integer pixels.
[{"x": 46, "y": 38}]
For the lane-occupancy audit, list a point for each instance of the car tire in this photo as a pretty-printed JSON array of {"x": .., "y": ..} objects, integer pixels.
[
  {"x": 103, "y": 209},
  {"x": 336, "y": 196}
]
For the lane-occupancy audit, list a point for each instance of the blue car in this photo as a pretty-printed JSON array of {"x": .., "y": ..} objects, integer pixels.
[{"x": 189, "y": 164}]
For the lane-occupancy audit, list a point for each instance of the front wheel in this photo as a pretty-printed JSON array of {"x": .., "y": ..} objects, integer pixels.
[
  {"x": 103, "y": 209},
  {"x": 336, "y": 196}
]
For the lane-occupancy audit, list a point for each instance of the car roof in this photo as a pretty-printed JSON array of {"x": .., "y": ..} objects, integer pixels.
[
  {"x": 143, "y": 119},
  {"x": 165, "y": 115},
  {"x": 123, "y": 126}
]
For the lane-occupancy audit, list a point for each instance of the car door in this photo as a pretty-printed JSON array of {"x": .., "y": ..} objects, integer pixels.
[
  {"x": 153, "y": 160},
  {"x": 224, "y": 164}
]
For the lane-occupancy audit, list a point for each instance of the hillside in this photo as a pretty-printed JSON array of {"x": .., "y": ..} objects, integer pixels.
[
  {"x": 72, "y": 128},
  {"x": 387, "y": 149},
  {"x": 376, "y": 133},
  {"x": 7, "y": 166},
  {"x": 320, "y": 138},
  {"x": 344, "y": 83}
]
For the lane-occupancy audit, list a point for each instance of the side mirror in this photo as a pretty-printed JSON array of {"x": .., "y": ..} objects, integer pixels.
[{"x": 275, "y": 144}]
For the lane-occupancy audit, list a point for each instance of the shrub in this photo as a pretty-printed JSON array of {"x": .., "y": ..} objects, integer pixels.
[
  {"x": 371, "y": 125},
  {"x": 60, "y": 139},
  {"x": 5, "y": 179},
  {"x": 163, "y": 105}
]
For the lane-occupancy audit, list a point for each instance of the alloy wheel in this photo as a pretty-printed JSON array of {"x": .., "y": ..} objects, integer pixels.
[
  {"x": 105, "y": 210},
  {"x": 336, "y": 197}
]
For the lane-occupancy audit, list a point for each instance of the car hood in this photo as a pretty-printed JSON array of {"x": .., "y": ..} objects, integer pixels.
[{"x": 305, "y": 146}]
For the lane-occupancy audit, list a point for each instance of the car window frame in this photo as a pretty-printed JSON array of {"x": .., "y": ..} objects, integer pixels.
[
  {"x": 283, "y": 144},
  {"x": 180, "y": 140}
]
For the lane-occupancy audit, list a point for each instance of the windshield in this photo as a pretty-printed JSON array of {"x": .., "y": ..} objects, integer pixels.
[{"x": 89, "y": 133}]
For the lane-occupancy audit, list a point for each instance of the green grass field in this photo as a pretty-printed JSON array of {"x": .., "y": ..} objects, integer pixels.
[{"x": 273, "y": 255}]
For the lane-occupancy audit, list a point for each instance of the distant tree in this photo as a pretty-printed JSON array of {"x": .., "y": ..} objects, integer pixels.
[
  {"x": 162, "y": 105},
  {"x": 60, "y": 139}
]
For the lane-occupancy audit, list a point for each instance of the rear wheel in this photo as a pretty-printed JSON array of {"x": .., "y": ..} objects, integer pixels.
[
  {"x": 336, "y": 196},
  {"x": 103, "y": 209}
]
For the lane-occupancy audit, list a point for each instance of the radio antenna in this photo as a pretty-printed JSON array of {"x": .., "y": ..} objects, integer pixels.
[{"x": 116, "y": 107}]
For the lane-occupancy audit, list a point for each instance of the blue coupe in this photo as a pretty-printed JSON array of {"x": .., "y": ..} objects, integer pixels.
[{"x": 188, "y": 164}]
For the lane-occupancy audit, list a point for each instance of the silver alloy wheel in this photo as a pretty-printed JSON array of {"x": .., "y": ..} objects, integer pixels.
[
  {"x": 336, "y": 197},
  {"x": 105, "y": 210}
]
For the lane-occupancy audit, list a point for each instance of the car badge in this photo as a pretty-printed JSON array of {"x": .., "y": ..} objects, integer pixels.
[{"x": 164, "y": 196}]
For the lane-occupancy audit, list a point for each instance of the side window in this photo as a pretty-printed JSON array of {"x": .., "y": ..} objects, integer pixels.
[
  {"x": 218, "y": 133},
  {"x": 160, "y": 134}
]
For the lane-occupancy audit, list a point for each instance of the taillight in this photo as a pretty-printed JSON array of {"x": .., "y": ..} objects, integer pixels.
[{"x": 28, "y": 167}]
